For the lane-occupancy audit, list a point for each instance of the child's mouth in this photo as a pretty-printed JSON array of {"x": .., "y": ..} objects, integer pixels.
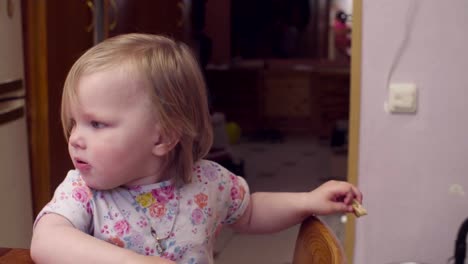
[{"x": 82, "y": 165}]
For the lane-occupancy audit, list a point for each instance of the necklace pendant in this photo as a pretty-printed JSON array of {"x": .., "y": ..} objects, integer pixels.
[
  {"x": 159, "y": 247},
  {"x": 159, "y": 242}
]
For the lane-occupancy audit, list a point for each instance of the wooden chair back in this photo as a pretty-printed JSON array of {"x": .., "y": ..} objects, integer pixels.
[{"x": 317, "y": 244}]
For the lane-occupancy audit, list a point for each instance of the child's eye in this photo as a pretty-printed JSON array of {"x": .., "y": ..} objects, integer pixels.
[{"x": 96, "y": 124}]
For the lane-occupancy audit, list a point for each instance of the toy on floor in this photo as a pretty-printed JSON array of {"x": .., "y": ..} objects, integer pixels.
[
  {"x": 224, "y": 135},
  {"x": 234, "y": 132}
]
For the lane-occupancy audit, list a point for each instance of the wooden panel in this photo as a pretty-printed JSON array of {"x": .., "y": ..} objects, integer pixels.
[
  {"x": 145, "y": 16},
  {"x": 289, "y": 101},
  {"x": 34, "y": 15},
  {"x": 333, "y": 100},
  {"x": 284, "y": 99},
  {"x": 68, "y": 38},
  {"x": 287, "y": 97},
  {"x": 56, "y": 34}
]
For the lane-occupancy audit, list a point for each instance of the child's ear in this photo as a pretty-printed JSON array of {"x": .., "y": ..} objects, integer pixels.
[{"x": 164, "y": 145}]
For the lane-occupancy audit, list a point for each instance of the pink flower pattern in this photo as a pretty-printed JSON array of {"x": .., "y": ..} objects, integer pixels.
[
  {"x": 122, "y": 227},
  {"x": 214, "y": 198},
  {"x": 157, "y": 210},
  {"x": 211, "y": 172},
  {"x": 81, "y": 194},
  {"x": 164, "y": 194}
]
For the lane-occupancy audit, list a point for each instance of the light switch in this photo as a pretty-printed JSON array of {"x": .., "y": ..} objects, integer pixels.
[
  {"x": 402, "y": 98},
  {"x": 456, "y": 189}
]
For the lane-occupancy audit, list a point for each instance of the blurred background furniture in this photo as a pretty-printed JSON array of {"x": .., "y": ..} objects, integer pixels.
[{"x": 301, "y": 96}]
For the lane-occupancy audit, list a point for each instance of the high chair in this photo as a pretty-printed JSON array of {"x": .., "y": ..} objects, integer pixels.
[{"x": 317, "y": 244}]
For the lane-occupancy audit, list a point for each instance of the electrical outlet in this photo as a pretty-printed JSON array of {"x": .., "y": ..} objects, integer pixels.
[{"x": 402, "y": 98}]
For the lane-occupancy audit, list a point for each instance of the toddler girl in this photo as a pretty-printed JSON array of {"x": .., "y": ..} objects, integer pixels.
[{"x": 135, "y": 113}]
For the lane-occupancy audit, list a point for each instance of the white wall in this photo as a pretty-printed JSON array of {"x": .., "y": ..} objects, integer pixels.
[{"x": 408, "y": 162}]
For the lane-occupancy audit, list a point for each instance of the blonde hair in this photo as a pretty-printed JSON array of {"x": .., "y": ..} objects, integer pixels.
[{"x": 177, "y": 90}]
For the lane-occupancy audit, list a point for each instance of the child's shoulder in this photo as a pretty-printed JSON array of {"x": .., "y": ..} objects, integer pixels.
[
  {"x": 205, "y": 166},
  {"x": 209, "y": 170}
]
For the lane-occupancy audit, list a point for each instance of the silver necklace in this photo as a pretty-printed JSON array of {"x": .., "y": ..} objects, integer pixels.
[
  {"x": 160, "y": 247},
  {"x": 159, "y": 241}
]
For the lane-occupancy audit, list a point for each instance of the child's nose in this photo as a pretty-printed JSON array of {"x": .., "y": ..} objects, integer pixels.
[{"x": 76, "y": 139}]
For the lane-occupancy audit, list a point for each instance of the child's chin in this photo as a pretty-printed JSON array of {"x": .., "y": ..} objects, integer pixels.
[{"x": 96, "y": 185}]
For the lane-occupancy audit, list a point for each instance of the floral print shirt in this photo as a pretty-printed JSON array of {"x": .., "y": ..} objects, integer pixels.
[{"x": 187, "y": 218}]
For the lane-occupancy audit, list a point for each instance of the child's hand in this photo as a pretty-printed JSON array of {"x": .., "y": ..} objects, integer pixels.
[{"x": 333, "y": 197}]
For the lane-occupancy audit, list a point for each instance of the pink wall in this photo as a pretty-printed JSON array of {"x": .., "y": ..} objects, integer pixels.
[
  {"x": 218, "y": 28},
  {"x": 408, "y": 162}
]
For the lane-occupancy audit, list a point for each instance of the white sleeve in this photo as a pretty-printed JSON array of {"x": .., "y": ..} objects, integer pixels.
[{"x": 73, "y": 199}]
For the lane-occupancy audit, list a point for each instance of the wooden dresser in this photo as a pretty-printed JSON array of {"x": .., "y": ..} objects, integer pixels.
[{"x": 306, "y": 99}]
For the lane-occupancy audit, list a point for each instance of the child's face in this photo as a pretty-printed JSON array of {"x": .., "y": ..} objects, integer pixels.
[{"x": 114, "y": 132}]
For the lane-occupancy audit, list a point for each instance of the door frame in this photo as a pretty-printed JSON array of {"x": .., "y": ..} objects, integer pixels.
[
  {"x": 35, "y": 50},
  {"x": 354, "y": 120}
]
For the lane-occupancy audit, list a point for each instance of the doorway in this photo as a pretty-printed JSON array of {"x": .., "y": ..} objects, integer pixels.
[{"x": 286, "y": 127}]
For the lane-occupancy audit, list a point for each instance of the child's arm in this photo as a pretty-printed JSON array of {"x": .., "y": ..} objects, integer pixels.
[
  {"x": 55, "y": 240},
  {"x": 271, "y": 212}
]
